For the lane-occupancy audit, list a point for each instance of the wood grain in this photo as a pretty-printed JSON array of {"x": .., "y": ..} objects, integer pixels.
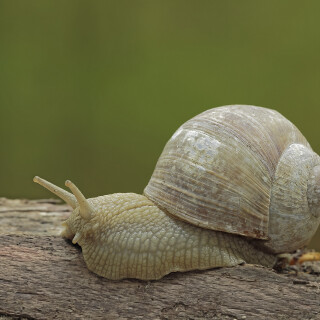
[{"x": 43, "y": 276}]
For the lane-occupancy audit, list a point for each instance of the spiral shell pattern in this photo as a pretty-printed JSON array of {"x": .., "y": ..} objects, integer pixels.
[{"x": 217, "y": 169}]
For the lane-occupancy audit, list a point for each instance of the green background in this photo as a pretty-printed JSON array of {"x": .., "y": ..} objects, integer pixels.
[{"x": 92, "y": 90}]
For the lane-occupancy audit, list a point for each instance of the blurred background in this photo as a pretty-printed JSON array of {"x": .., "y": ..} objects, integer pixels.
[{"x": 91, "y": 91}]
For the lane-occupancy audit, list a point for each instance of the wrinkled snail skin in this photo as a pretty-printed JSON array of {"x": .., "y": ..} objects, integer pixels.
[
  {"x": 129, "y": 237},
  {"x": 235, "y": 184}
]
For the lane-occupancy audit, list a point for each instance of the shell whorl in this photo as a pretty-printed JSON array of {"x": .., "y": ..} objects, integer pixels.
[
  {"x": 294, "y": 207},
  {"x": 217, "y": 169}
]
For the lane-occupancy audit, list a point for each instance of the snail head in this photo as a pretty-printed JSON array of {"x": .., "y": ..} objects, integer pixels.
[
  {"x": 95, "y": 217},
  {"x": 83, "y": 210}
]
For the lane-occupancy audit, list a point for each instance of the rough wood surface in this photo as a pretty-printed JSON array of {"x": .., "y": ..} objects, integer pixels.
[{"x": 42, "y": 276}]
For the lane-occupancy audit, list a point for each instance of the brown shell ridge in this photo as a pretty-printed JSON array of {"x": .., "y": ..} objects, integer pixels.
[
  {"x": 273, "y": 131},
  {"x": 172, "y": 189},
  {"x": 163, "y": 191},
  {"x": 217, "y": 204},
  {"x": 225, "y": 126},
  {"x": 212, "y": 124},
  {"x": 193, "y": 181}
]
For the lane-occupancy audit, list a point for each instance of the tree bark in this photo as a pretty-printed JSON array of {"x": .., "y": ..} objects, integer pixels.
[{"x": 43, "y": 276}]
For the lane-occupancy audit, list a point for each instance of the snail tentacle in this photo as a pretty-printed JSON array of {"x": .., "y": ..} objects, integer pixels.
[
  {"x": 66, "y": 196},
  {"x": 85, "y": 208}
]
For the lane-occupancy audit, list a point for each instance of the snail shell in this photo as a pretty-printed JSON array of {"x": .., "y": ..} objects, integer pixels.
[{"x": 242, "y": 170}]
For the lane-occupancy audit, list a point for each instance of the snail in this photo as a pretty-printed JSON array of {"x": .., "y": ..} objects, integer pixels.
[{"x": 235, "y": 184}]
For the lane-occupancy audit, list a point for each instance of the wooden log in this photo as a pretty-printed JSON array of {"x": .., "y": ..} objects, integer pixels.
[{"x": 43, "y": 276}]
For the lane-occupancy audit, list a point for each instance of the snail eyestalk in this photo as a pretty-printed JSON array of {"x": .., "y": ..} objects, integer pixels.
[
  {"x": 85, "y": 208},
  {"x": 66, "y": 196}
]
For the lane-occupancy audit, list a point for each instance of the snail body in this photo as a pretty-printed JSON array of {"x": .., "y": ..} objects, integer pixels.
[{"x": 234, "y": 184}]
